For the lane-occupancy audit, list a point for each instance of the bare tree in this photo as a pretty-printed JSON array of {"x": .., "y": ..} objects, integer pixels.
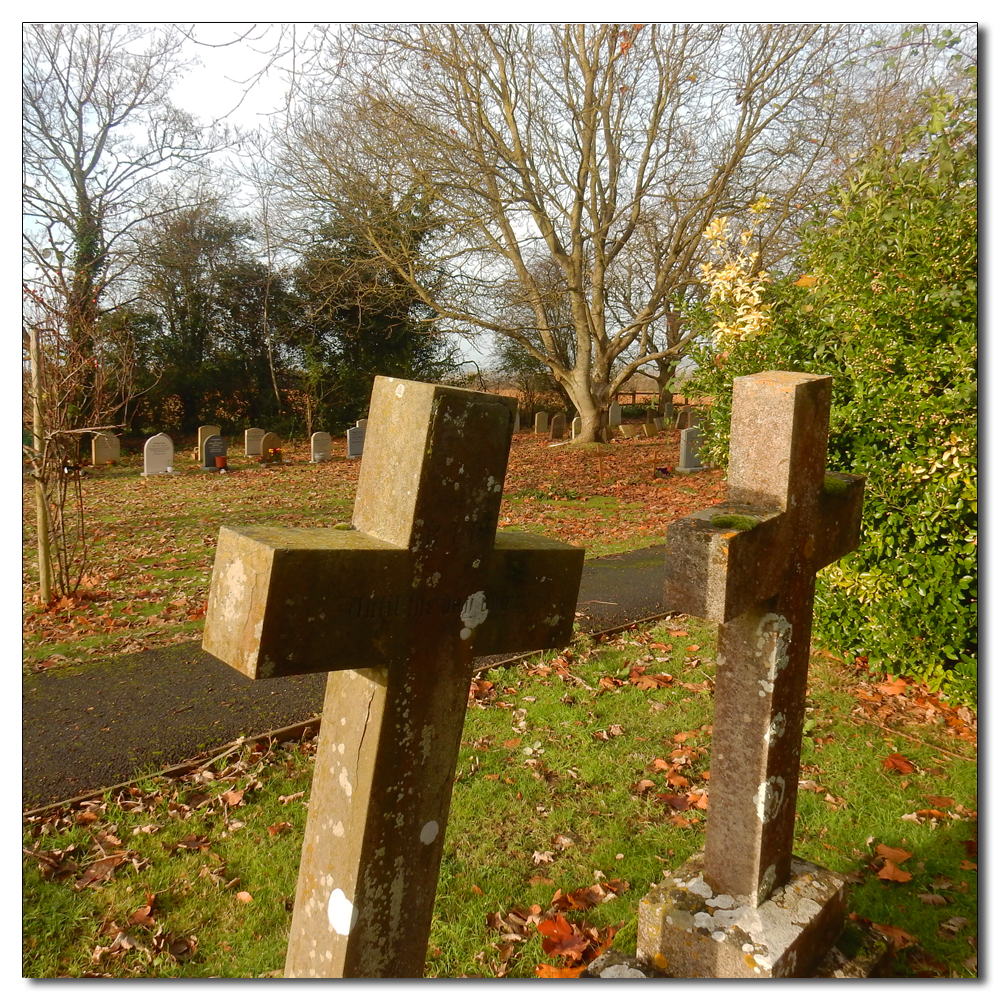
[
  {"x": 564, "y": 143},
  {"x": 101, "y": 148}
]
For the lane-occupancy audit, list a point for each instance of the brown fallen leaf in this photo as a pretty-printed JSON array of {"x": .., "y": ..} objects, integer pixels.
[
  {"x": 898, "y": 686},
  {"x": 932, "y": 899},
  {"x": 544, "y": 971},
  {"x": 233, "y": 797},
  {"x": 896, "y": 854},
  {"x": 890, "y": 873},
  {"x": 940, "y": 801},
  {"x": 100, "y": 871},
  {"x": 244, "y": 897},
  {"x": 279, "y": 828},
  {"x": 897, "y": 762}
]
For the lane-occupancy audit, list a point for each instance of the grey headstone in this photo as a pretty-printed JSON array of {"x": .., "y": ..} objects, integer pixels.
[
  {"x": 158, "y": 456},
  {"x": 541, "y": 422},
  {"x": 252, "y": 438},
  {"x": 320, "y": 447},
  {"x": 355, "y": 442},
  {"x": 105, "y": 448},
  {"x": 577, "y": 427},
  {"x": 558, "y": 427},
  {"x": 690, "y": 459},
  {"x": 615, "y": 415},
  {"x": 270, "y": 446},
  {"x": 214, "y": 447},
  {"x": 204, "y": 432}
]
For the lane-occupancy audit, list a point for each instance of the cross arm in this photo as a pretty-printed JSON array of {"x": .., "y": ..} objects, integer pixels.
[
  {"x": 839, "y": 523},
  {"x": 717, "y": 572},
  {"x": 289, "y": 601}
]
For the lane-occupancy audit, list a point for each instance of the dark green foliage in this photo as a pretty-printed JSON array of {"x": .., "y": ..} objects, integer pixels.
[{"x": 893, "y": 317}]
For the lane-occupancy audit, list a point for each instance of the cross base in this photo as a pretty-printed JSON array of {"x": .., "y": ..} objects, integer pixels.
[{"x": 690, "y": 932}]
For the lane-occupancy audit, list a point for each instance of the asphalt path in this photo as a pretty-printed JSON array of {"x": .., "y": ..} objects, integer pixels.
[{"x": 112, "y": 720}]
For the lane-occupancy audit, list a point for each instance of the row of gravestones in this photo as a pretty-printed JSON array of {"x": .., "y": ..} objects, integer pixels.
[
  {"x": 396, "y": 634},
  {"x": 158, "y": 451}
]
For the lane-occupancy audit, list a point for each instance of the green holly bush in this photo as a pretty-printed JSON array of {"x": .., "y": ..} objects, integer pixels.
[{"x": 888, "y": 307}]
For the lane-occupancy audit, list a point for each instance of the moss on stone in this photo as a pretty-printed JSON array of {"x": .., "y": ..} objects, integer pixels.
[
  {"x": 741, "y": 522},
  {"x": 833, "y": 485}
]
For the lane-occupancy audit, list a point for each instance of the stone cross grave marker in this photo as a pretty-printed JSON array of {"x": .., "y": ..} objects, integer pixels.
[
  {"x": 105, "y": 448},
  {"x": 204, "y": 433},
  {"x": 752, "y": 909},
  {"x": 252, "y": 438},
  {"x": 395, "y": 608},
  {"x": 212, "y": 448},
  {"x": 541, "y": 422},
  {"x": 270, "y": 445},
  {"x": 356, "y": 441},
  {"x": 319, "y": 447},
  {"x": 557, "y": 429},
  {"x": 158, "y": 456}
]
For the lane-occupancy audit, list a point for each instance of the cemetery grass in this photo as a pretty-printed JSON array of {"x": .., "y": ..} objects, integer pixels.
[
  {"x": 152, "y": 540},
  {"x": 583, "y": 775}
]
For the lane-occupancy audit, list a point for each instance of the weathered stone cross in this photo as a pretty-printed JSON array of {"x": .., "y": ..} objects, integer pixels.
[
  {"x": 750, "y": 564},
  {"x": 398, "y": 607}
]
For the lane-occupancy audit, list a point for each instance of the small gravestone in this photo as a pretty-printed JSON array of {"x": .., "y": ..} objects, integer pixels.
[
  {"x": 394, "y": 609},
  {"x": 320, "y": 446},
  {"x": 749, "y": 908},
  {"x": 204, "y": 433},
  {"x": 649, "y": 429},
  {"x": 105, "y": 448},
  {"x": 690, "y": 459},
  {"x": 577, "y": 427},
  {"x": 557, "y": 429},
  {"x": 658, "y": 423},
  {"x": 668, "y": 409},
  {"x": 517, "y": 421},
  {"x": 650, "y": 415},
  {"x": 252, "y": 438},
  {"x": 270, "y": 448},
  {"x": 628, "y": 431},
  {"x": 615, "y": 415},
  {"x": 683, "y": 419},
  {"x": 362, "y": 423},
  {"x": 541, "y": 422},
  {"x": 355, "y": 441},
  {"x": 158, "y": 456},
  {"x": 214, "y": 447}
]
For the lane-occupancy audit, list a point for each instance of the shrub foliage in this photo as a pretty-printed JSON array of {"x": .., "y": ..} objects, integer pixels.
[{"x": 887, "y": 305}]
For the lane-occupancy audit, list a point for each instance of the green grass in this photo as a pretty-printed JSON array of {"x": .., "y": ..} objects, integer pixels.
[{"x": 556, "y": 788}]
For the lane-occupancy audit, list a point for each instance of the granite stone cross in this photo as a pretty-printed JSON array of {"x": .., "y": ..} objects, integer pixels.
[
  {"x": 395, "y": 608},
  {"x": 750, "y": 564}
]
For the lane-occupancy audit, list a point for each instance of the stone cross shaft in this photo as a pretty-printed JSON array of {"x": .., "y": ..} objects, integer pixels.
[
  {"x": 756, "y": 576},
  {"x": 395, "y": 608}
]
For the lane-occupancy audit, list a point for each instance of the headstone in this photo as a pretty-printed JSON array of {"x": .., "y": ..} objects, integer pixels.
[
  {"x": 252, "y": 438},
  {"x": 649, "y": 429},
  {"x": 749, "y": 908},
  {"x": 668, "y": 409},
  {"x": 395, "y": 608},
  {"x": 650, "y": 415},
  {"x": 615, "y": 415},
  {"x": 362, "y": 423},
  {"x": 683, "y": 419},
  {"x": 541, "y": 422},
  {"x": 690, "y": 459},
  {"x": 270, "y": 448},
  {"x": 577, "y": 427},
  {"x": 158, "y": 456},
  {"x": 355, "y": 442},
  {"x": 517, "y": 421},
  {"x": 213, "y": 447},
  {"x": 105, "y": 448},
  {"x": 204, "y": 433},
  {"x": 557, "y": 428},
  {"x": 658, "y": 423},
  {"x": 320, "y": 447},
  {"x": 628, "y": 431}
]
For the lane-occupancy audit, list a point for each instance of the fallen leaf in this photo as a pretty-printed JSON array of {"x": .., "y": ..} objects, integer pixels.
[
  {"x": 890, "y": 873},
  {"x": 940, "y": 801},
  {"x": 244, "y": 897},
  {"x": 896, "y": 854},
  {"x": 542, "y": 857},
  {"x": 554, "y": 972},
  {"x": 899, "y": 937},
  {"x": 100, "y": 871},
  {"x": 279, "y": 828},
  {"x": 897, "y": 686},
  {"x": 233, "y": 797},
  {"x": 514, "y": 741},
  {"x": 896, "y": 762},
  {"x": 932, "y": 899}
]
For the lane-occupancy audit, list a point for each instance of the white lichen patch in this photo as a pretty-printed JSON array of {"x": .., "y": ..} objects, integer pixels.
[
  {"x": 338, "y": 830},
  {"x": 429, "y": 832},
  {"x": 345, "y": 783},
  {"x": 769, "y": 798},
  {"x": 342, "y": 912},
  {"x": 400, "y": 389},
  {"x": 776, "y": 729},
  {"x": 474, "y": 612}
]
